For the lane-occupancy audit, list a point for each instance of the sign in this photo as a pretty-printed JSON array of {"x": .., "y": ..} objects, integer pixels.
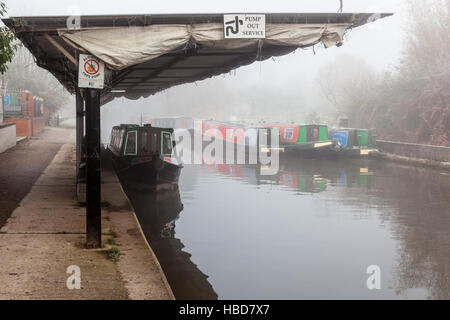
[
  {"x": 341, "y": 137},
  {"x": 244, "y": 26},
  {"x": 91, "y": 72},
  {"x": 7, "y": 100}
]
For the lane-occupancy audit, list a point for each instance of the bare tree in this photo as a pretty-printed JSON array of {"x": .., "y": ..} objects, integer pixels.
[
  {"x": 411, "y": 104},
  {"x": 24, "y": 74}
]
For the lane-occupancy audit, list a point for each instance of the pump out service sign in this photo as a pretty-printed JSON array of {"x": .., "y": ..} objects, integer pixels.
[
  {"x": 91, "y": 72},
  {"x": 244, "y": 26}
]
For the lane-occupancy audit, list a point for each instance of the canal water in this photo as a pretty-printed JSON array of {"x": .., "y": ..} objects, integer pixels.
[{"x": 309, "y": 232}]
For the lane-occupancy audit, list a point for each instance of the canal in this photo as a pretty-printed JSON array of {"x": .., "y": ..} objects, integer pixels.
[{"x": 308, "y": 232}]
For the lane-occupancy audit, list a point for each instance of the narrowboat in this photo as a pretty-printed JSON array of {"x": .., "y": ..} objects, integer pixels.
[
  {"x": 227, "y": 131},
  {"x": 145, "y": 155},
  {"x": 303, "y": 138},
  {"x": 240, "y": 134},
  {"x": 353, "y": 142},
  {"x": 176, "y": 123}
]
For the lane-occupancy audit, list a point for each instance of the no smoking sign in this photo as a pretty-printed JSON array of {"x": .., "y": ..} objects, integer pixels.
[{"x": 91, "y": 72}]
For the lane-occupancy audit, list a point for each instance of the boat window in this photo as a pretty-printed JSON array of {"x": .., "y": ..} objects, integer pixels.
[
  {"x": 113, "y": 138},
  {"x": 166, "y": 143},
  {"x": 313, "y": 133},
  {"x": 289, "y": 133},
  {"x": 122, "y": 132},
  {"x": 144, "y": 141},
  {"x": 355, "y": 138},
  {"x": 131, "y": 143},
  {"x": 154, "y": 145}
]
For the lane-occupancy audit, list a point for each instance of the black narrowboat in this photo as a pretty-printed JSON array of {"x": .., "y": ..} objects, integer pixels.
[{"x": 144, "y": 155}]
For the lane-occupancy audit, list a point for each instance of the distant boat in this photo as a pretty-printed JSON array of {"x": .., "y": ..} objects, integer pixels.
[
  {"x": 353, "y": 142},
  {"x": 173, "y": 122},
  {"x": 241, "y": 134},
  {"x": 304, "y": 139},
  {"x": 144, "y": 155}
]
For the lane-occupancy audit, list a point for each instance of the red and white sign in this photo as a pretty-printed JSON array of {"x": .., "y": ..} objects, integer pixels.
[{"x": 91, "y": 72}]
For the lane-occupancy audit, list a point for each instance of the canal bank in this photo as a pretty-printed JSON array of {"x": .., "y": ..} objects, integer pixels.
[
  {"x": 46, "y": 232},
  {"x": 414, "y": 154}
]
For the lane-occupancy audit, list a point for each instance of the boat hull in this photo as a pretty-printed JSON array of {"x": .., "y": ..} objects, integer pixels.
[
  {"x": 309, "y": 149},
  {"x": 354, "y": 152},
  {"x": 153, "y": 174}
]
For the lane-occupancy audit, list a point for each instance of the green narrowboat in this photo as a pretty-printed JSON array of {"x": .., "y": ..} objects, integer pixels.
[
  {"x": 353, "y": 142},
  {"x": 303, "y": 138}
]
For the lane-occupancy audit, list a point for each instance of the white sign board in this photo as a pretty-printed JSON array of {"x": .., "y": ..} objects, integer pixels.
[
  {"x": 244, "y": 26},
  {"x": 91, "y": 72}
]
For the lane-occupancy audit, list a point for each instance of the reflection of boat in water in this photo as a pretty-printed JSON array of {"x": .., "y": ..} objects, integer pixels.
[
  {"x": 144, "y": 154},
  {"x": 342, "y": 172},
  {"x": 157, "y": 213},
  {"x": 305, "y": 176}
]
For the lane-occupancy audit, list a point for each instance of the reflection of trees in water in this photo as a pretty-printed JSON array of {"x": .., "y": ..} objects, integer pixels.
[
  {"x": 157, "y": 214},
  {"x": 422, "y": 226},
  {"x": 415, "y": 200}
]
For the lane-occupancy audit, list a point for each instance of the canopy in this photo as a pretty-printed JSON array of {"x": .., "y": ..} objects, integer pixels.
[
  {"x": 124, "y": 47},
  {"x": 145, "y": 54}
]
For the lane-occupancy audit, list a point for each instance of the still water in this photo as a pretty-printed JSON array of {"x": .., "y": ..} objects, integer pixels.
[{"x": 309, "y": 232}]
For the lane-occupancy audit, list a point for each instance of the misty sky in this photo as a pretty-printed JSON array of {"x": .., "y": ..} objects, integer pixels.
[{"x": 378, "y": 44}]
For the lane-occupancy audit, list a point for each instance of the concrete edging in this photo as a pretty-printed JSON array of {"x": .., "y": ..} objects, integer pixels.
[
  {"x": 166, "y": 283},
  {"x": 411, "y": 161},
  {"x": 437, "y": 154}
]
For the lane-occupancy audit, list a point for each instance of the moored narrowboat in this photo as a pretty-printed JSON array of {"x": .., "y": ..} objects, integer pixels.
[
  {"x": 353, "y": 142},
  {"x": 303, "y": 138},
  {"x": 176, "y": 123},
  {"x": 240, "y": 134},
  {"x": 145, "y": 156}
]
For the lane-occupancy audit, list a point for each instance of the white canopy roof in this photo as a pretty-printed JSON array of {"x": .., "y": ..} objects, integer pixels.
[
  {"x": 145, "y": 54},
  {"x": 124, "y": 47}
]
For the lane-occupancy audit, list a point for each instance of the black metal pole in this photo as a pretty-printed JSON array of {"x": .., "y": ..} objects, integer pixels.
[
  {"x": 79, "y": 132},
  {"x": 93, "y": 186}
]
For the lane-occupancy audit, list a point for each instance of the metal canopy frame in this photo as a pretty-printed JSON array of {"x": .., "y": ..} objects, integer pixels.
[{"x": 40, "y": 36}]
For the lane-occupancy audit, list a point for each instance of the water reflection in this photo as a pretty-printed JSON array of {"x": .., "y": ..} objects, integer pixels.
[
  {"x": 421, "y": 224},
  {"x": 305, "y": 176},
  {"x": 310, "y": 231},
  {"x": 157, "y": 214}
]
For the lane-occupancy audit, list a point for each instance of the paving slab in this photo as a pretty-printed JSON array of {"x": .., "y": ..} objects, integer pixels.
[{"x": 45, "y": 235}]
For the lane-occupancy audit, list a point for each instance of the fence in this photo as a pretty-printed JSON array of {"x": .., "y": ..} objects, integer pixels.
[{"x": 13, "y": 102}]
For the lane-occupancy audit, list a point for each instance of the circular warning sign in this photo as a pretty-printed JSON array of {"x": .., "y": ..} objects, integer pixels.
[
  {"x": 91, "y": 72},
  {"x": 91, "y": 66}
]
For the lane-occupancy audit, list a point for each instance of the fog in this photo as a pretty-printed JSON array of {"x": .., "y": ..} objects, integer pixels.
[{"x": 281, "y": 89}]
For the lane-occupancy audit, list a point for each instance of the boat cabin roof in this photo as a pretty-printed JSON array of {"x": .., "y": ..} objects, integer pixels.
[{"x": 143, "y": 127}]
